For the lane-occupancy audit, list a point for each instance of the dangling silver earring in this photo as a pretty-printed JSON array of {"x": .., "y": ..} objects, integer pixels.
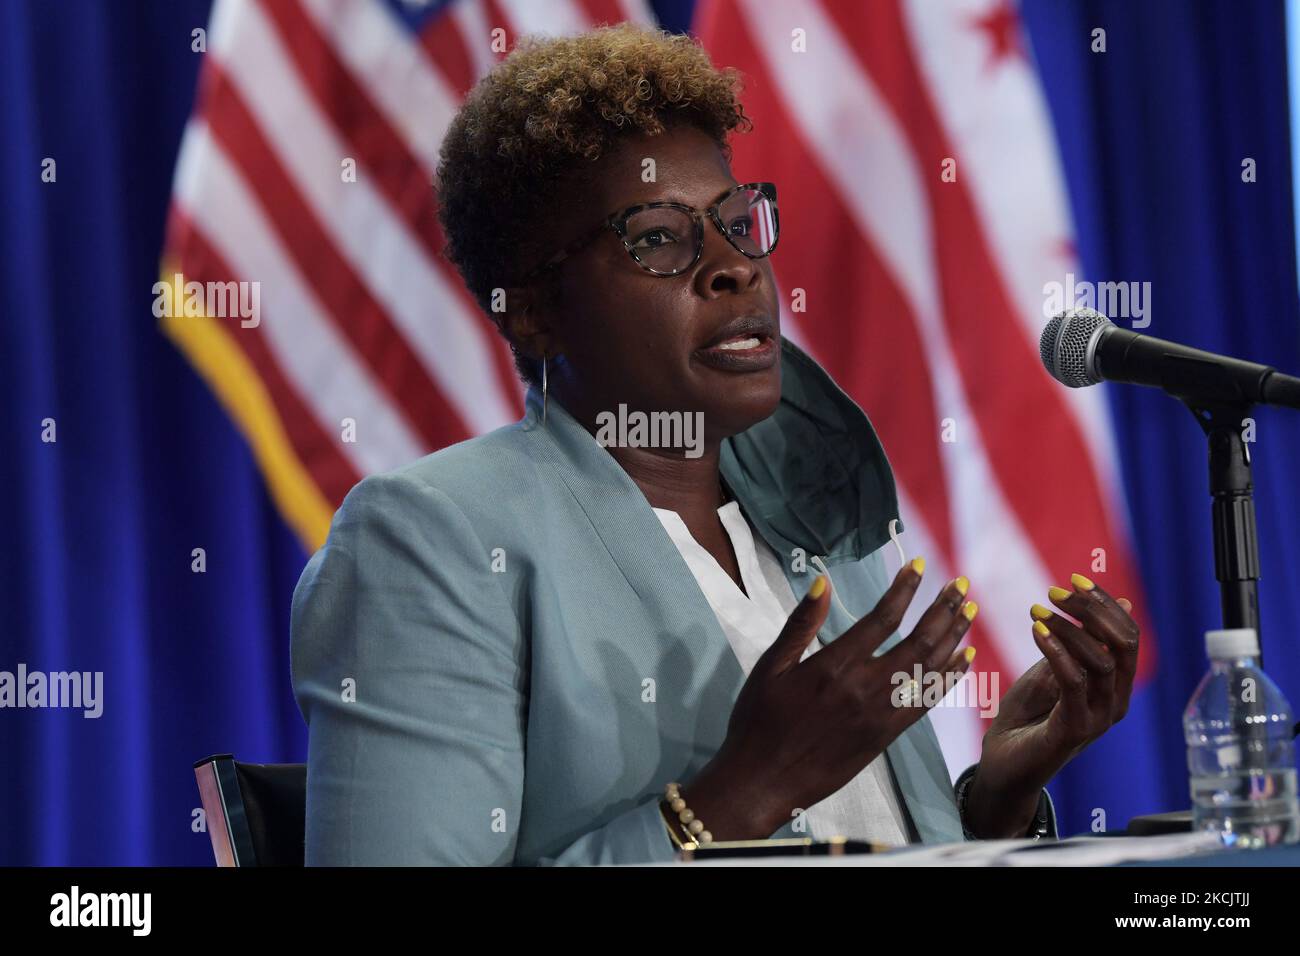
[{"x": 543, "y": 389}]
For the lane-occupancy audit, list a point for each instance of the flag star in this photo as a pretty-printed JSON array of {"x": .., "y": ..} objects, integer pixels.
[{"x": 1001, "y": 24}]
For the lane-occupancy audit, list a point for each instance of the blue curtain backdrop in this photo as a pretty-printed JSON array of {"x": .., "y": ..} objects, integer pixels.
[
  {"x": 95, "y": 562},
  {"x": 96, "y": 554}
]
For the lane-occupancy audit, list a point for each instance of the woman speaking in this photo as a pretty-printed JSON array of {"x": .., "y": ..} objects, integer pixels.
[{"x": 563, "y": 642}]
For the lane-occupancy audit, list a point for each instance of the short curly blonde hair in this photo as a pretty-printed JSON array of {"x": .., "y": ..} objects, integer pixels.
[{"x": 552, "y": 105}]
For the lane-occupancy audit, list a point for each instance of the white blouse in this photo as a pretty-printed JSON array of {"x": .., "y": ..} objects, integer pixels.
[{"x": 868, "y": 807}]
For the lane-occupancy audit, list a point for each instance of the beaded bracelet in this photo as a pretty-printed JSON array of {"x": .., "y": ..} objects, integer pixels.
[
  {"x": 671, "y": 827},
  {"x": 690, "y": 825}
]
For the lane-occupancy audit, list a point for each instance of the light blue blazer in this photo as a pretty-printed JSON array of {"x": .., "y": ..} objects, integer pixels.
[{"x": 502, "y": 657}]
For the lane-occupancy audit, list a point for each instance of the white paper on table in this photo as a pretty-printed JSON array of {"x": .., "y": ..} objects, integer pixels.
[
  {"x": 1075, "y": 851},
  {"x": 1107, "y": 851}
]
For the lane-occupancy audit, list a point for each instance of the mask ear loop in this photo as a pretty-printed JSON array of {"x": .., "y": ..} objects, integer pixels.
[
  {"x": 820, "y": 565},
  {"x": 893, "y": 536}
]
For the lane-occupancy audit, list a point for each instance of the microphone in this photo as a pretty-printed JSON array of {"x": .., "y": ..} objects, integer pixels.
[{"x": 1081, "y": 347}]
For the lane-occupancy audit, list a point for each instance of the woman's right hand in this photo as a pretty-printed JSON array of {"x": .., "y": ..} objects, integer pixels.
[{"x": 801, "y": 729}]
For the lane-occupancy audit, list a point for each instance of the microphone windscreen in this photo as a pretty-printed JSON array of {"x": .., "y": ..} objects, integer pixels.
[{"x": 1065, "y": 346}]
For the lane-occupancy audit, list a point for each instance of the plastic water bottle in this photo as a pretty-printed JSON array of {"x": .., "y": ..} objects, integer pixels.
[{"x": 1240, "y": 749}]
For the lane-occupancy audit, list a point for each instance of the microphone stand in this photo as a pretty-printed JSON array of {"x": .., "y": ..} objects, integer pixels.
[
  {"x": 1236, "y": 541},
  {"x": 1236, "y": 551},
  {"x": 1236, "y": 566}
]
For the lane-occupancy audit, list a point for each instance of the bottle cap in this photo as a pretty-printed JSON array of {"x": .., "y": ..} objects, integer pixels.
[{"x": 1232, "y": 643}]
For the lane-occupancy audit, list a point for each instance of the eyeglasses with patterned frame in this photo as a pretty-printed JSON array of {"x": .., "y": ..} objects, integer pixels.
[{"x": 761, "y": 194}]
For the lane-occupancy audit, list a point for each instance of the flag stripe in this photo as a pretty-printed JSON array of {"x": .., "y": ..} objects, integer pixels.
[
  {"x": 602, "y": 12},
  {"x": 638, "y": 11},
  {"x": 444, "y": 43},
  {"x": 475, "y": 19},
  {"x": 556, "y": 18},
  {"x": 314, "y": 356},
  {"x": 495, "y": 18},
  {"x": 315, "y": 471}
]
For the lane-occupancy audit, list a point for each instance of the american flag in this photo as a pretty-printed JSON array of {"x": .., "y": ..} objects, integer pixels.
[{"x": 923, "y": 210}]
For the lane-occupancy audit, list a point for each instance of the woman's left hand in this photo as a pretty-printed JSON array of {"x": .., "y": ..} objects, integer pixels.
[{"x": 1068, "y": 699}]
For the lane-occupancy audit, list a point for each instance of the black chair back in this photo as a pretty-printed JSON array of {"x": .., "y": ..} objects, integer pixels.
[{"x": 256, "y": 812}]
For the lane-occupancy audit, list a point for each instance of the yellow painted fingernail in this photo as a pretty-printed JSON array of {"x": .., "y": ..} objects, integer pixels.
[
  {"x": 1057, "y": 594},
  {"x": 970, "y": 609},
  {"x": 1041, "y": 629},
  {"x": 1082, "y": 583},
  {"x": 1039, "y": 613},
  {"x": 970, "y": 654},
  {"x": 962, "y": 585},
  {"x": 918, "y": 565},
  {"x": 818, "y": 587}
]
